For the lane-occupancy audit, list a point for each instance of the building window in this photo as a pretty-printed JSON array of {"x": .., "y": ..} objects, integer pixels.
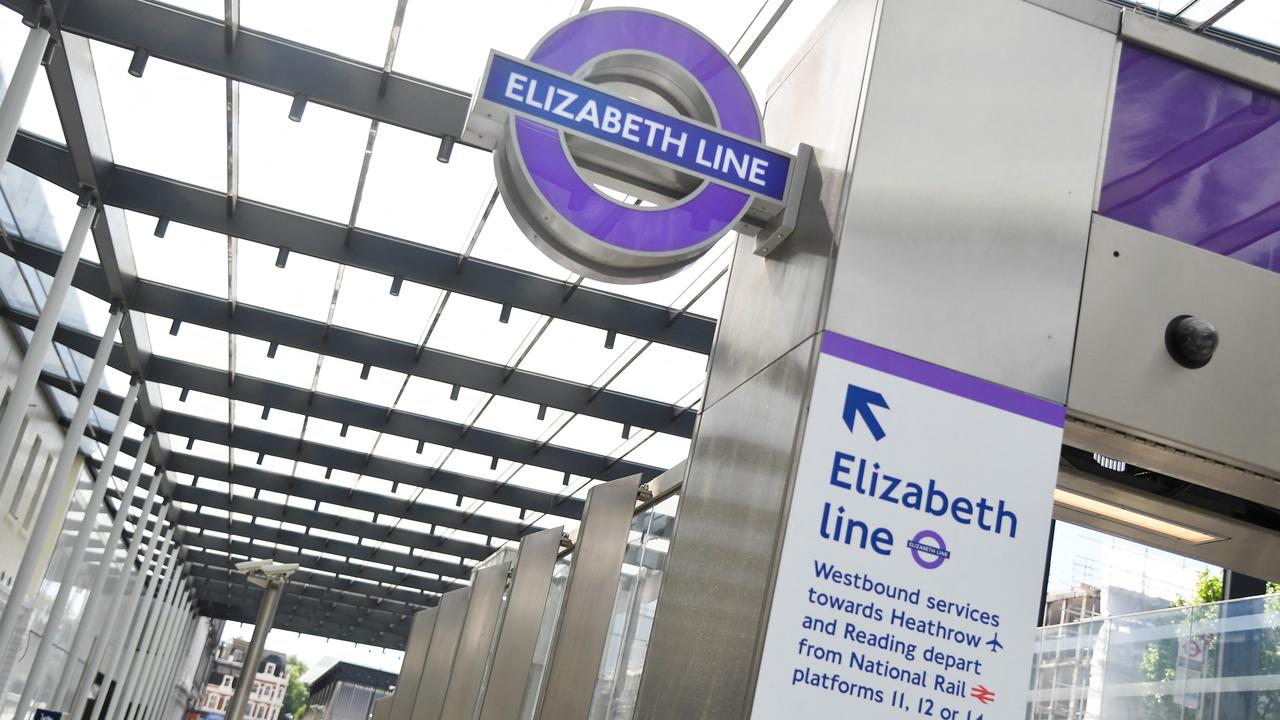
[
  {"x": 226, "y": 681},
  {"x": 271, "y": 668}
]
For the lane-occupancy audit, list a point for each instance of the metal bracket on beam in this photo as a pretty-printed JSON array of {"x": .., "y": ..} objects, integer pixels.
[
  {"x": 298, "y": 107},
  {"x": 644, "y": 494},
  {"x": 138, "y": 64},
  {"x": 88, "y": 196},
  {"x": 446, "y": 149},
  {"x": 37, "y": 14}
]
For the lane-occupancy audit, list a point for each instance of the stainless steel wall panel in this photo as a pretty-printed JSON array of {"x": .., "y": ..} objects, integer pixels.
[
  {"x": 382, "y": 708},
  {"x": 415, "y": 656},
  {"x": 1101, "y": 15},
  {"x": 508, "y": 681},
  {"x": 593, "y": 584},
  {"x": 772, "y": 306},
  {"x": 710, "y": 613},
  {"x": 1123, "y": 376},
  {"x": 973, "y": 176},
  {"x": 477, "y": 640},
  {"x": 450, "y": 617}
]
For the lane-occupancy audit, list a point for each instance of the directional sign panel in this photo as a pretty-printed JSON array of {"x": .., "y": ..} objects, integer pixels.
[{"x": 915, "y": 544}]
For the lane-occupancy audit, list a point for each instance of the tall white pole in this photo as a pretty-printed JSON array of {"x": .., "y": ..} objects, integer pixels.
[
  {"x": 157, "y": 691},
  {"x": 15, "y": 96},
  {"x": 177, "y": 654},
  {"x": 160, "y": 645},
  {"x": 132, "y": 677},
  {"x": 181, "y": 652},
  {"x": 42, "y": 338},
  {"x": 113, "y": 625},
  {"x": 85, "y": 631},
  {"x": 54, "y": 506},
  {"x": 57, "y": 612},
  {"x": 118, "y": 668},
  {"x": 147, "y": 673}
]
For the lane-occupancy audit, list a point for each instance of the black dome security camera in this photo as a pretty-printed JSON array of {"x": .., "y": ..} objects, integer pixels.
[{"x": 1191, "y": 341}]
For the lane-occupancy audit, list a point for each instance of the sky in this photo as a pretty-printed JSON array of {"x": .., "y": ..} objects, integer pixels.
[
  {"x": 1088, "y": 557},
  {"x": 172, "y": 122}
]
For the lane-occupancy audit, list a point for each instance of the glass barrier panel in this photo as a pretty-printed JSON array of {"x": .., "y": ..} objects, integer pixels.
[
  {"x": 622, "y": 665},
  {"x": 1219, "y": 661}
]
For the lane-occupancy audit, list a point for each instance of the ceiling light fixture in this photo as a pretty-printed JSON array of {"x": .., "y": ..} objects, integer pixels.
[{"x": 1133, "y": 518}]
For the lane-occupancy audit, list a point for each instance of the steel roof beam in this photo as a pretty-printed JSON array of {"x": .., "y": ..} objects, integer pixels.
[
  {"x": 408, "y": 587},
  {"x": 366, "y": 349},
  {"x": 279, "y": 396},
  {"x": 259, "y": 508},
  {"x": 302, "y": 613},
  {"x": 194, "y": 522},
  {"x": 328, "y": 456},
  {"x": 267, "y": 61},
  {"x": 266, "y": 536},
  {"x": 74, "y": 85},
  {"x": 298, "y": 614},
  {"x": 321, "y": 589},
  {"x": 277, "y": 227},
  {"x": 380, "y": 583},
  {"x": 358, "y": 463}
]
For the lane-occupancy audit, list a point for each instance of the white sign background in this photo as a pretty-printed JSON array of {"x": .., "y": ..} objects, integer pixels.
[{"x": 971, "y": 449}]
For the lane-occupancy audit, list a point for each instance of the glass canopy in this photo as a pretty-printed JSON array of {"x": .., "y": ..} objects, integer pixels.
[{"x": 357, "y": 361}]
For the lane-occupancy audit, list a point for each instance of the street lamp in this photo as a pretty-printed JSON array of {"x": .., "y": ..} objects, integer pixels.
[{"x": 271, "y": 576}]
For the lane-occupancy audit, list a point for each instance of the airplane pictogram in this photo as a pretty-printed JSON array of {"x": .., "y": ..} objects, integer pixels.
[
  {"x": 994, "y": 642},
  {"x": 983, "y": 695}
]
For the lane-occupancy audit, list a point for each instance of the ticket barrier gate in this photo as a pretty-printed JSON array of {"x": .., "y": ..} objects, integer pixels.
[{"x": 559, "y": 631}]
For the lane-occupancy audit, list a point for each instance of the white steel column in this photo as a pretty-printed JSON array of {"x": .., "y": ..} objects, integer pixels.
[
  {"x": 109, "y": 629},
  {"x": 85, "y": 631},
  {"x": 19, "y": 89},
  {"x": 154, "y": 698},
  {"x": 54, "y": 506},
  {"x": 159, "y": 650},
  {"x": 139, "y": 664},
  {"x": 169, "y": 678},
  {"x": 122, "y": 658},
  {"x": 180, "y": 652},
  {"x": 42, "y": 338},
  {"x": 87, "y": 526},
  {"x": 147, "y": 700}
]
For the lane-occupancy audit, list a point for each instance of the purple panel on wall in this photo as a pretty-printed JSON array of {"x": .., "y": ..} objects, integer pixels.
[{"x": 1195, "y": 157}]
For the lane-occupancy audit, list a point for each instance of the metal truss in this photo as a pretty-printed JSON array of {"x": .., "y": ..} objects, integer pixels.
[
  {"x": 289, "y": 231},
  {"x": 370, "y": 350},
  {"x": 343, "y": 410}
]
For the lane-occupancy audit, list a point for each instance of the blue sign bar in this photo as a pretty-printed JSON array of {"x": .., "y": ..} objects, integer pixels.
[{"x": 585, "y": 110}]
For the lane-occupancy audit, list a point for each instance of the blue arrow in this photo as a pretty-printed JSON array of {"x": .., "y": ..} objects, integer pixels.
[{"x": 858, "y": 401}]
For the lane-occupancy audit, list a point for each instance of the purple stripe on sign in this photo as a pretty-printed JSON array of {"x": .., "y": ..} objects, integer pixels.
[{"x": 940, "y": 378}]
